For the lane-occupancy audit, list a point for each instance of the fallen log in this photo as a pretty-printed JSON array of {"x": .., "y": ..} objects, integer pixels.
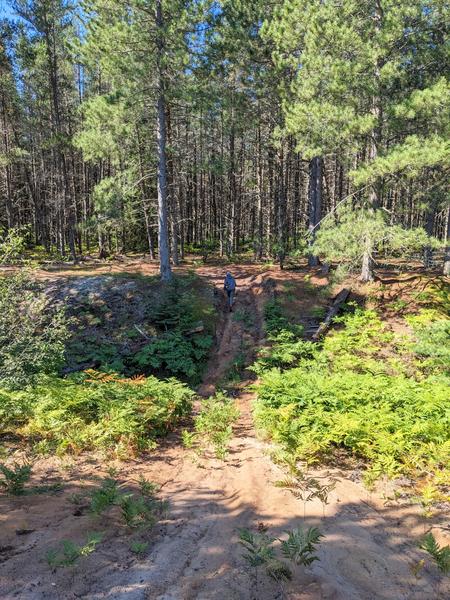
[
  {"x": 198, "y": 329},
  {"x": 332, "y": 312}
]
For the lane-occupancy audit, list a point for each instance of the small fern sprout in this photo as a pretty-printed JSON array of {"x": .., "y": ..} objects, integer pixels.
[
  {"x": 15, "y": 478},
  {"x": 258, "y": 547},
  {"x": 440, "y": 554},
  {"x": 278, "y": 570},
  {"x": 105, "y": 496},
  {"x": 301, "y": 545},
  {"x": 259, "y": 552}
]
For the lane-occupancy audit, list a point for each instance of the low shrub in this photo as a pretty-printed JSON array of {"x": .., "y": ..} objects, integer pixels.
[
  {"x": 299, "y": 548},
  {"x": 432, "y": 343}
]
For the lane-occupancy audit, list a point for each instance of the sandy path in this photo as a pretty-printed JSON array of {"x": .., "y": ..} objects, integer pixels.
[
  {"x": 366, "y": 554},
  {"x": 195, "y": 554}
]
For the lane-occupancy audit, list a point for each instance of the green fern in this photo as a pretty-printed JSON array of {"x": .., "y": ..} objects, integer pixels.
[
  {"x": 278, "y": 570},
  {"x": 15, "y": 478},
  {"x": 260, "y": 550},
  {"x": 301, "y": 545},
  {"x": 136, "y": 512},
  {"x": 139, "y": 547},
  {"x": 258, "y": 546},
  {"x": 104, "y": 497},
  {"x": 147, "y": 488},
  {"x": 71, "y": 552},
  {"x": 346, "y": 394},
  {"x": 213, "y": 427},
  {"x": 441, "y": 555}
]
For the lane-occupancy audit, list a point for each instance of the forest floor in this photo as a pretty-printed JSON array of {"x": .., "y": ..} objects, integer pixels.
[{"x": 369, "y": 550}]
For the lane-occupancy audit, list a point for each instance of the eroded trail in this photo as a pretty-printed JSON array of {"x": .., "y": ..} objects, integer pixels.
[
  {"x": 368, "y": 551},
  {"x": 366, "y": 554}
]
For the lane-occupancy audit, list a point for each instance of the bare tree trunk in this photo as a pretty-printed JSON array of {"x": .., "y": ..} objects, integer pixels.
[
  {"x": 9, "y": 203},
  {"x": 163, "y": 237},
  {"x": 429, "y": 224},
  {"x": 377, "y": 112},
  {"x": 280, "y": 198},
  {"x": 367, "y": 261},
  {"x": 447, "y": 246},
  {"x": 315, "y": 204},
  {"x": 52, "y": 59},
  {"x": 259, "y": 210}
]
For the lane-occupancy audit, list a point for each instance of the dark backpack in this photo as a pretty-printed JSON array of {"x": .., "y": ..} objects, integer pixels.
[{"x": 230, "y": 284}]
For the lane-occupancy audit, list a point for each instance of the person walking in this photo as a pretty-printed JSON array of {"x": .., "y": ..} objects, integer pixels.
[{"x": 229, "y": 285}]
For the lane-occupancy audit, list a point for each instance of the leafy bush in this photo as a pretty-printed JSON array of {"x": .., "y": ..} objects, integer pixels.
[
  {"x": 175, "y": 353},
  {"x": 286, "y": 351},
  {"x": 345, "y": 395},
  {"x": 12, "y": 245},
  {"x": 104, "y": 496},
  {"x": 32, "y": 333},
  {"x": 137, "y": 510},
  {"x": 98, "y": 411}
]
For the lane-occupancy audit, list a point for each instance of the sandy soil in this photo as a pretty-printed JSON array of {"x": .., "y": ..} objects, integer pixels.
[{"x": 368, "y": 552}]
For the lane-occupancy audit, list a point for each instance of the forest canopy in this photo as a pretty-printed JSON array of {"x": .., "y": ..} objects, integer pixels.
[{"x": 168, "y": 125}]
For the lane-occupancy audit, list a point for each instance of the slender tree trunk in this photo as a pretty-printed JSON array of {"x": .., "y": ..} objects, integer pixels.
[
  {"x": 52, "y": 59},
  {"x": 10, "y": 217},
  {"x": 280, "y": 198},
  {"x": 315, "y": 204},
  {"x": 377, "y": 112},
  {"x": 429, "y": 224},
  {"x": 367, "y": 263},
  {"x": 447, "y": 246},
  {"x": 163, "y": 237}
]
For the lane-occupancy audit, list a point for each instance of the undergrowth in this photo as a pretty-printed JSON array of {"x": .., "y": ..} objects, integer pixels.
[
  {"x": 382, "y": 397},
  {"x": 440, "y": 554},
  {"x": 213, "y": 427},
  {"x": 33, "y": 332},
  {"x": 95, "y": 411},
  {"x": 153, "y": 329},
  {"x": 285, "y": 343}
]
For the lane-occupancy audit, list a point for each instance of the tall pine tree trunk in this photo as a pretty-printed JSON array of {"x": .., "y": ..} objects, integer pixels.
[
  {"x": 315, "y": 204},
  {"x": 280, "y": 198},
  {"x": 53, "y": 74},
  {"x": 447, "y": 246},
  {"x": 163, "y": 237},
  {"x": 429, "y": 225}
]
